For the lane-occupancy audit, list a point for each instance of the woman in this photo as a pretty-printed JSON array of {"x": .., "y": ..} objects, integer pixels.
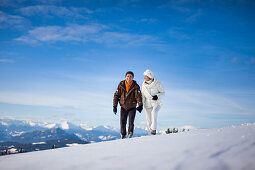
[{"x": 152, "y": 91}]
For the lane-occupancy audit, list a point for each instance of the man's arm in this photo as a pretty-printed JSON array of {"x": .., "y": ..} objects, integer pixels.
[{"x": 116, "y": 97}]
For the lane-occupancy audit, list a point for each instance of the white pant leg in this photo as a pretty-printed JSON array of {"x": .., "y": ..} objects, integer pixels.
[
  {"x": 154, "y": 116},
  {"x": 148, "y": 117}
]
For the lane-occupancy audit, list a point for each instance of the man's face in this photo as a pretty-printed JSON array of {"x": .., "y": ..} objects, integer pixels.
[{"x": 129, "y": 78}]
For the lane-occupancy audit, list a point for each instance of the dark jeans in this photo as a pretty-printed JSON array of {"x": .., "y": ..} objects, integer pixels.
[{"x": 123, "y": 120}]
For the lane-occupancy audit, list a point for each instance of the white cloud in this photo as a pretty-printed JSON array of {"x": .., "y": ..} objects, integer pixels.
[
  {"x": 33, "y": 99},
  {"x": 6, "y": 3},
  {"x": 91, "y": 96},
  {"x": 129, "y": 39},
  {"x": 176, "y": 101},
  {"x": 185, "y": 1},
  {"x": 178, "y": 33},
  {"x": 181, "y": 6},
  {"x": 81, "y": 33},
  {"x": 82, "y": 10},
  {"x": 17, "y": 3},
  {"x": 194, "y": 16},
  {"x": 252, "y": 60},
  {"x": 83, "y": 100},
  {"x": 234, "y": 60},
  {"x": 44, "y": 10},
  {"x": 149, "y": 20},
  {"x": 181, "y": 9},
  {"x": 142, "y": 20},
  {"x": 84, "y": 33},
  {"x": 7, "y": 20},
  {"x": 51, "y": 10},
  {"x": 203, "y": 102},
  {"x": 82, "y": 59},
  {"x": 7, "y": 61}
]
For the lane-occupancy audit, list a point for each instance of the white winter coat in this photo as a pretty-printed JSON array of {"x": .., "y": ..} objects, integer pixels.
[{"x": 149, "y": 90}]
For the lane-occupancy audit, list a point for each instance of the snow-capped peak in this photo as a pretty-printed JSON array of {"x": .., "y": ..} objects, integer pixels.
[
  {"x": 86, "y": 127},
  {"x": 64, "y": 125},
  {"x": 49, "y": 126},
  {"x": 4, "y": 123},
  {"x": 31, "y": 123}
]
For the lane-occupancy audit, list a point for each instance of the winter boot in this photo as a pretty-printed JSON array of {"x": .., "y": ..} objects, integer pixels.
[
  {"x": 153, "y": 132},
  {"x": 130, "y": 135},
  {"x": 123, "y": 136}
]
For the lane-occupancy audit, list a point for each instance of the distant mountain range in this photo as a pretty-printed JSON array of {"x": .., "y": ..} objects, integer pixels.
[{"x": 24, "y": 135}]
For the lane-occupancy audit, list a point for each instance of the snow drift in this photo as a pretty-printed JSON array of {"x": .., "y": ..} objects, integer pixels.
[{"x": 223, "y": 148}]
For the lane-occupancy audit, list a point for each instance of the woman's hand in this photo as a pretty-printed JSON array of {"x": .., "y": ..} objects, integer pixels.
[{"x": 155, "y": 97}]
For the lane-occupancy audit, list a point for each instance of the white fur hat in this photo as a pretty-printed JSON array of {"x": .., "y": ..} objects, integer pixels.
[{"x": 149, "y": 73}]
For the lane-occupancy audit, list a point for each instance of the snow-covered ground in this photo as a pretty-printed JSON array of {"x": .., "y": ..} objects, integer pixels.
[{"x": 214, "y": 149}]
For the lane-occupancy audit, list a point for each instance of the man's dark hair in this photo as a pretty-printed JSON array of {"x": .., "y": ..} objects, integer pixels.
[{"x": 130, "y": 72}]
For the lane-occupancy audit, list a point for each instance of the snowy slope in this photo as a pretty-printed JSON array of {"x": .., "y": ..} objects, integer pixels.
[{"x": 215, "y": 149}]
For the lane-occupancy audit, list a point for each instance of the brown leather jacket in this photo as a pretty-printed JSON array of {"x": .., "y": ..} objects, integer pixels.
[{"x": 130, "y": 99}]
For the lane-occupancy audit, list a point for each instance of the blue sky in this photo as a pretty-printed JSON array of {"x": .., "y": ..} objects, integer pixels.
[{"x": 63, "y": 60}]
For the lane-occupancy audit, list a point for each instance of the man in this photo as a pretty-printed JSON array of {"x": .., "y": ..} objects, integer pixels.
[{"x": 128, "y": 94}]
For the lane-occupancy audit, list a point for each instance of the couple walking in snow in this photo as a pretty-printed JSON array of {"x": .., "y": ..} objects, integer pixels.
[{"x": 128, "y": 95}]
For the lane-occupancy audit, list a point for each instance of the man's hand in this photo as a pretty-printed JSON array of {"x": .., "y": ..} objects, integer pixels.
[
  {"x": 115, "y": 109},
  {"x": 139, "y": 108},
  {"x": 155, "y": 97}
]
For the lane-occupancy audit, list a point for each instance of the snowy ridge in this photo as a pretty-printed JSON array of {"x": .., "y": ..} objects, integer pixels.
[
  {"x": 63, "y": 124},
  {"x": 223, "y": 148}
]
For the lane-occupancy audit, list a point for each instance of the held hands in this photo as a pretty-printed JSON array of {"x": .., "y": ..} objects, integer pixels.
[
  {"x": 115, "y": 109},
  {"x": 139, "y": 108},
  {"x": 155, "y": 97}
]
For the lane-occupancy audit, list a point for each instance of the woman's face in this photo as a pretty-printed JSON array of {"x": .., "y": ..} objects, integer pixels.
[{"x": 147, "y": 78}]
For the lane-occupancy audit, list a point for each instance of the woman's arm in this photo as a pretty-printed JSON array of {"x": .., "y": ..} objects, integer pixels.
[{"x": 161, "y": 90}]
